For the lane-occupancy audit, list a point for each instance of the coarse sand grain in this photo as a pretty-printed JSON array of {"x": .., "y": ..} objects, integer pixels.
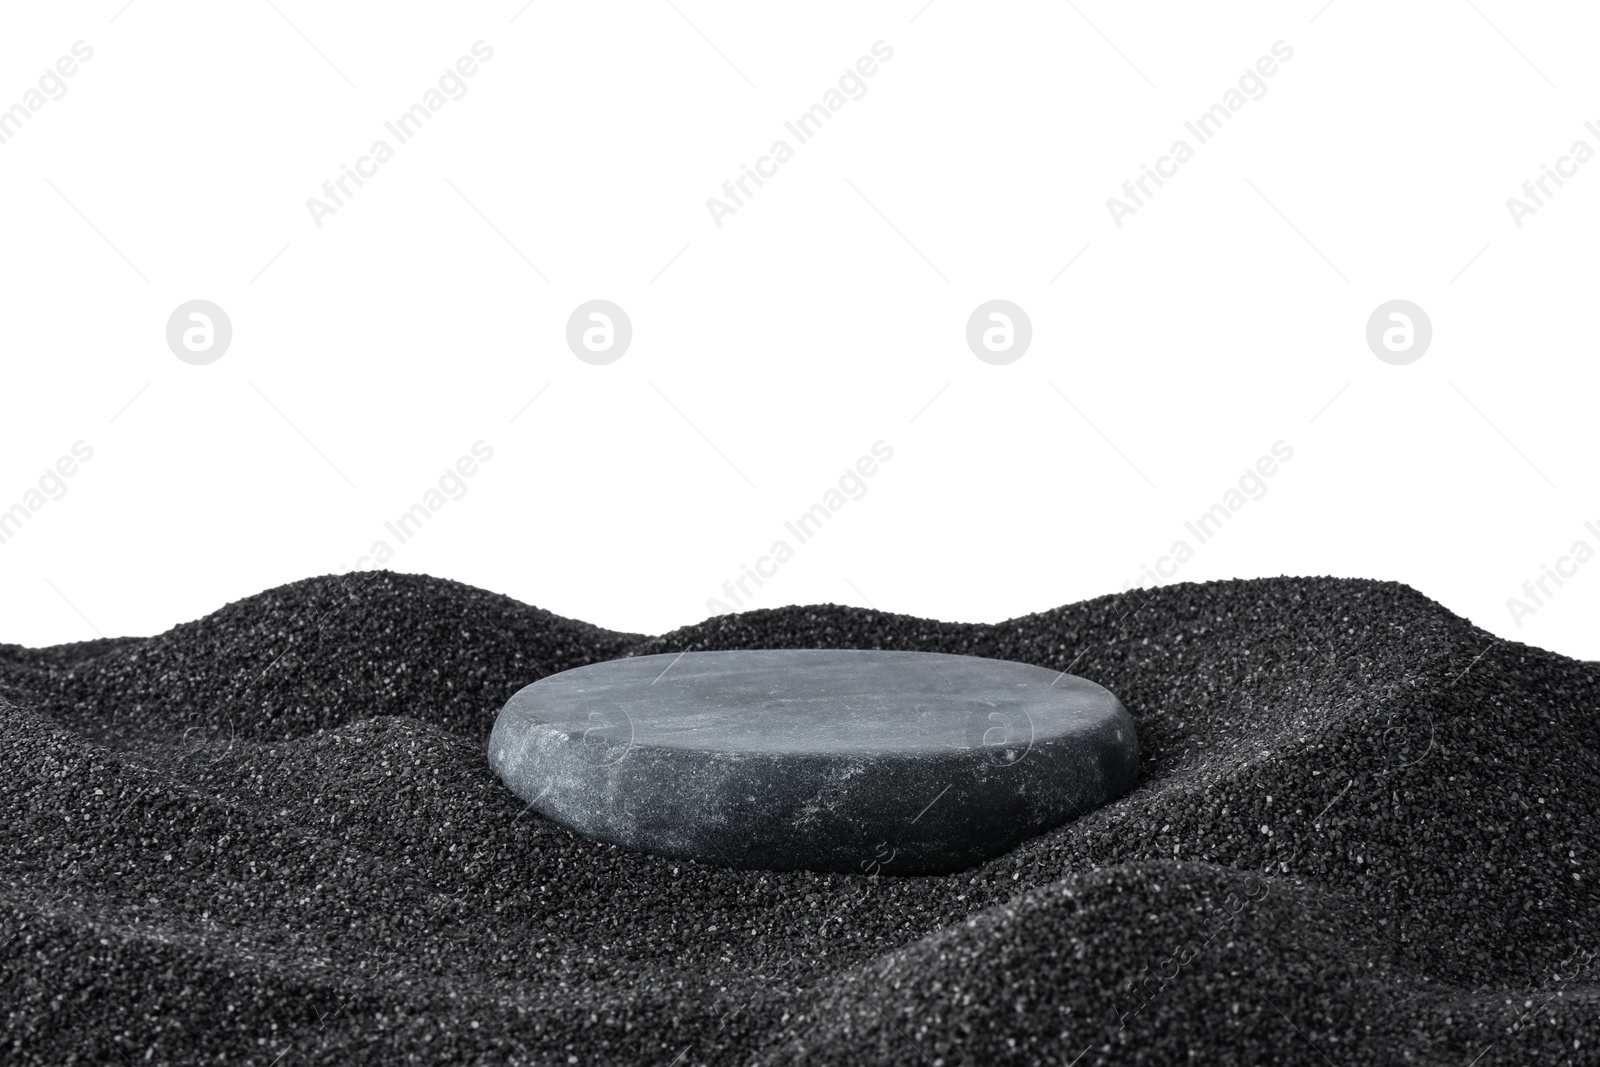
[{"x": 1364, "y": 833}]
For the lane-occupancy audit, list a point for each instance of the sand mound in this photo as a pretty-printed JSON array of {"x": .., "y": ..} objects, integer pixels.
[{"x": 1363, "y": 835}]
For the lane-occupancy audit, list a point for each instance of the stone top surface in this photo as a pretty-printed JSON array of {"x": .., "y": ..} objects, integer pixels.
[{"x": 808, "y": 701}]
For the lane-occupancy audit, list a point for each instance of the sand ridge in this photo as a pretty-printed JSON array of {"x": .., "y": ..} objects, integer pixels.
[{"x": 1363, "y": 834}]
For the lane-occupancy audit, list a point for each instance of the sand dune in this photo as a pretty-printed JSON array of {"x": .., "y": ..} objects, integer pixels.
[{"x": 1364, "y": 834}]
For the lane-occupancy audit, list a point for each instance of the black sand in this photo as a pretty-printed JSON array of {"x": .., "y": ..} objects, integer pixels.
[{"x": 1365, "y": 834}]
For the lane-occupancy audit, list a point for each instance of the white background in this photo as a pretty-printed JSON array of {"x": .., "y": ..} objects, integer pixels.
[{"x": 768, "y": 354}]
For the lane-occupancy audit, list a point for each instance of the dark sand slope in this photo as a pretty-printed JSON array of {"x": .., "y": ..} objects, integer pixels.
[{"x": 1366, "y": 834}]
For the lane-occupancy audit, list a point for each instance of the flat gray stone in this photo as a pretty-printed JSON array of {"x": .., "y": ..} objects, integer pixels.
[{"x": 831, "y": 760}]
